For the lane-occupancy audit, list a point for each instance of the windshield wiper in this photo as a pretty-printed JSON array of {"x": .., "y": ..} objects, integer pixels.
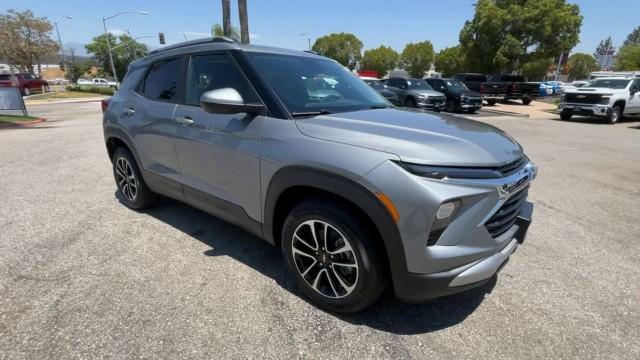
[
  {"x": 380, "y": 106},
  {"x": 309, "y": 113}
]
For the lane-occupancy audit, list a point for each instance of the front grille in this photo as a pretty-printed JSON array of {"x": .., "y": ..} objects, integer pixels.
[
  {"x": 512, "y": 167},
  {"x": 582, "y": 98},
  {"x": 472, "y": 101},
  {"x": 506, "y": 216},
  {"x": 436, "y": 100}
]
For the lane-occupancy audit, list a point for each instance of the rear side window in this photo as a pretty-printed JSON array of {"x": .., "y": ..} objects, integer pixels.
[
  {"x": 5, "y": 77},
  {"x": 216, "y": 71},
  {"x": 161, "y": 82}
]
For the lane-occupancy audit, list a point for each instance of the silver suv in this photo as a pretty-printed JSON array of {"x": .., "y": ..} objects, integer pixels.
[{"x": 299, "y": 151}]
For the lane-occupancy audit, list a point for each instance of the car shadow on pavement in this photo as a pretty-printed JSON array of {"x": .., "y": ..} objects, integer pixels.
[
  {"x": 597, "y": 121},
  {"x": 387, "y": 314}
]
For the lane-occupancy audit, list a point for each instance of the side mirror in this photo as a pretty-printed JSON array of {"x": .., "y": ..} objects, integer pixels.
[
  {"x": 228, "y": 101},
  {"x": 633, "y": 89}
]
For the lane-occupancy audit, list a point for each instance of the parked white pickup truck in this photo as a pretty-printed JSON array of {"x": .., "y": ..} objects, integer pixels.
[
  {"x": 610, "y": 98},
  {"x": 100, "y": 82}
]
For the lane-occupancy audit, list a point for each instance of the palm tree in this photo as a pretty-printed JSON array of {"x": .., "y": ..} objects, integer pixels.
[
  {"x": 217, "y": 30},
  {"x": 244, "y": 21},
  {"x": 226, "y": 17}
]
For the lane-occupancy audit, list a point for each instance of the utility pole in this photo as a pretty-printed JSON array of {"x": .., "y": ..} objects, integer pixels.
[
  {"x": 606, "y": 56},
  {"x": 559, "y": 66},
  {"x": 106, "y": 34},
  {"x": 55, "y": 23},
  {"x": 308, "y": 40}
]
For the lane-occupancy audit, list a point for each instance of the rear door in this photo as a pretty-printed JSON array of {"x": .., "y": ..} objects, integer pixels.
[
  {"x": 219, "y": 154},
  {"x": 148, "y": 114}
]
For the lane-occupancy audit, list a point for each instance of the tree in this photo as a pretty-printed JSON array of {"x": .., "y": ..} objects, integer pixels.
[
  {"x": 417, "y": 58},
  {"x": 450, "y": 61},
  {"x": 344, "y": 48},
  {"x": 604, "y": 46},
  {"x": 506, "y": 34},
  {"x": 76, "y": 67},
  {"x": 25, "y": 40},
  {"x": 244, "y": 21},
  {"x": 226, "y": 17},
  {"x": 382, "y": 60},
  {"x": 124, "y": 50},
  {"x": 217, "y": 30},
  {"x": 628, "y": 58},
  {"x": 581, "y": 65},
  {"x": 633, "y": 38}
]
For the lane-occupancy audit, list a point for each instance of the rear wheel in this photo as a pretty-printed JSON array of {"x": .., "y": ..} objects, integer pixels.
[
  {"x": 491, "y": 101},
  {"x": 615, "y": 114},
  {"x": 333, "y": 256},
  {"x": 566, "y": 115},
  {"x": 133, "y": 191},
  {"x": 526, "y": 101},
  {"x": 26, "y": 91}
]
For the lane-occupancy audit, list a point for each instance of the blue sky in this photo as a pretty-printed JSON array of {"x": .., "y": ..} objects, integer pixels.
[{"x": 280, "y": 22}]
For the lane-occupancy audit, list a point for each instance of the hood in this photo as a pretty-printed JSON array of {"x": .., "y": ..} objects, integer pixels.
[
  {"x": 387, "y": 93},
  {"x": 425, "y": 92},
  {"x": 416, "y": 136}
]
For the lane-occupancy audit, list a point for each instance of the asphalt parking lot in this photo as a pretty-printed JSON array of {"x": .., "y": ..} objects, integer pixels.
[{"x": 81, "y": 276}]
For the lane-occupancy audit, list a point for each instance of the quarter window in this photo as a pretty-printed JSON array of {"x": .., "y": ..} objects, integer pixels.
[
  {"x": 161, "y": 82},
  {"x": 216, "y": 71}
]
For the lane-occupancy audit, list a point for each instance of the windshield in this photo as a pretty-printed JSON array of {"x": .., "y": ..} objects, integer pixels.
[
  {"x": 456, "y": 85},
  {"x": 376, "y": 84},
  {"x": 306, "y": 84},
  {"x": 415, "y": 84},
  {"x": 608, "y": 83}
]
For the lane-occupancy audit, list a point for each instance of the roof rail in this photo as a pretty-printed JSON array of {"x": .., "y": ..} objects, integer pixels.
[
  {"x": 311, "y": 52},
  {"x": 216, "y": 39}
]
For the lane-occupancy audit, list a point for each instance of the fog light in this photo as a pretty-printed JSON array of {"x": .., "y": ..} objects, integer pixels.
[{"x": 445, "y": 210}]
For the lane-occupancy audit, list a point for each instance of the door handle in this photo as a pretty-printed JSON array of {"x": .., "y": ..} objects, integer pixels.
[
  {"x": 129, "y": 112},
  {"x": 185, "y": 120}
]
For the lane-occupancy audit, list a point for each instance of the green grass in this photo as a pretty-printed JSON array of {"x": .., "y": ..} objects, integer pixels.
[
  {"x": 63, "y": 95},
  {"x": 16, "y": 118}
]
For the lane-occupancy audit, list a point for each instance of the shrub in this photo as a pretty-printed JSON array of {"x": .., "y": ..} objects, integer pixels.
[{"x": 92, "y": 89}]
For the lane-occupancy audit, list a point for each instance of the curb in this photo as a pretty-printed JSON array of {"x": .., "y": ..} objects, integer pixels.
[
  {"x": 44, "y": 102},
  {"x": 4, "y": 125}
]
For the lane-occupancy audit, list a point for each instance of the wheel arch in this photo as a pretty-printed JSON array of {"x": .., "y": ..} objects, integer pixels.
[
  {"x": 115, "y": 137},
  {"x": 281, "y": 196},
  {"x": 622, "y": 103}
]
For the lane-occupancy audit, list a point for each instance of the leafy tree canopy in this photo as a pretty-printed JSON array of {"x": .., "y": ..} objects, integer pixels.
[
  {"x": 217, "y": 30},
  {"x": 633, "y": 38},
  {"x": 25, "y": 39},
  {"x": 506, "y": 34},
  {"x": 628, "y": 58},
  {"x": 450, "y": 61},
  {"x": 382, "y": 59},
  {"x": 417, "y": 58},
  {"x": 604, "y": 46},
  {"x": 580, "y": 65},
  {"x": 124, "y": 49},
  {"x": 345, "y": 48}
]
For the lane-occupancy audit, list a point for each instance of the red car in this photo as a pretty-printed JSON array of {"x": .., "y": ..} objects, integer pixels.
[{"x": 26, "y": 83}]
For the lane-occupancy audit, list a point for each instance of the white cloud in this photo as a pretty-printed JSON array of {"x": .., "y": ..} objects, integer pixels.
[
  {"x": 254, "y": 36},
  {"x": 118, "y": 32}
]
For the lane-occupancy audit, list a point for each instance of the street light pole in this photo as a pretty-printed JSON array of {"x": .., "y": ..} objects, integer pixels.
[
  {"x": 55, "y": 23},
  {"x": 308, "y": 40},
  {"x": 106, "y": 34}
]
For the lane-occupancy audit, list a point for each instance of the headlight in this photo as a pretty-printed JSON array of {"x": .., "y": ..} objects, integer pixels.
[
  {"x": 422, "y": 96},
  {"x": 441, "y": 172}
]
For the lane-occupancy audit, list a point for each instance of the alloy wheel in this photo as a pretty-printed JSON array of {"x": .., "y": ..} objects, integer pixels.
[
  {"x": 126, "y": 179},
  {"x": 325, "y": 259}
]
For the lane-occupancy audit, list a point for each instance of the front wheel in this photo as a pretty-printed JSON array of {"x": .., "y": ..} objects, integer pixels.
[
  {"x": 615, "y": 115},
  {"x": 333, "y": 256},
  {"x": 526, "y": 101},
  {"x": 450, "y": 106},
  {"x": 27, "y": 91},
  {"x": 491, "y": 101},
  {"x": 566, "y": 115},
  {"x": 410, "y": 102}
]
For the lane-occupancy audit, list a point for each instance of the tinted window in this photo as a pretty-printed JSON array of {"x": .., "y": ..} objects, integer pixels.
[
  {"x": 217, "y": 71},
  {"x": 4, "y": 77},
  {"x": 608, "y": 83},
  {"x": 418, "y": 84},
  {"x": 161, "y": 82}
]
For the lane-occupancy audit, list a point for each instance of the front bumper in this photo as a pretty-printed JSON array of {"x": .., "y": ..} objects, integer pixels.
[
  {"x": 585, "y": 109},
  {"x": 465, "y": 254},
  {"x": 429, "y": 104}
]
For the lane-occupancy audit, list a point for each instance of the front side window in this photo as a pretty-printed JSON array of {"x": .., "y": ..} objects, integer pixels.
[
  {"x": 161, "y": 82},
  {"x": 216, "y": 71},
  {"x": 306, "y": 84},
  {"x": 456, "y": 84},
  {"x": 415, "y": 84}
]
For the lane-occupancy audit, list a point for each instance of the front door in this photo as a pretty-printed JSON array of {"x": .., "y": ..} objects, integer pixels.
[
  {"x": 633, "y": 105},
  {"x": 219, "y": 154}
]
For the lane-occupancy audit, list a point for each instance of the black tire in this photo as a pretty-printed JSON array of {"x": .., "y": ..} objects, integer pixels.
[
  {"x": 26, "y": 91},
  {"x": 566, "y": 115},
  {"x": 491, "y": 101},
  {"x": 615, "y": 115},
  {"x": 143, "y": 196},
  {"x": 450, "y": 106},
  {"x": 410, "y": 102},
  {"x": 370, "y": 279},
  {"x": 526, "y": 101}
]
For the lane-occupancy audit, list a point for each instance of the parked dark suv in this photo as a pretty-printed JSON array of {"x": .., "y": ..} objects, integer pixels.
[
  {"x": 415, "y": 93},
  {"x": 459, "y": 97},
  {"x": 357, "y": 193}
]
